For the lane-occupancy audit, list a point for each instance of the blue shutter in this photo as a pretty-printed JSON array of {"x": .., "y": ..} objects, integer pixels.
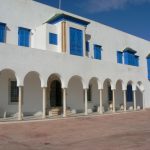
[
  {"x": 136, "y": 61},
  {"x": 119, "y": 57},
  {"x": 148, "y": 67},
  {"x": 97, "y": 51},
  {"x": 2, "y": 32},
  {"x": 129, "y": 93},
  {"x": 53, "y": 39},
  {"x": 76, "y": 42},
  {"x": 24, "y": 37},
  {"x": 126, "y": 58},
  {"x": 87, "y": 46}
]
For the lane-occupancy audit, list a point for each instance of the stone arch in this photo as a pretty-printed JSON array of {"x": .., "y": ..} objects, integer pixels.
[
  {"x": 55, "y": 84},
  {"x": 119, "y": 97},
  {"x": 32, "y": 94},
  {"x": 94, "y": 94},
  {"x": 75, "y": 94},
  {"x": 9, "y": 81},
  {"x": 79, "y": 78},
  {"x": 140, "y": 95},
  {"x": 107, "y": 93}
]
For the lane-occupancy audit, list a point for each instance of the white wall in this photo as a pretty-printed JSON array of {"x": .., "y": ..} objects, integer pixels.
[{"x": 23, "y": 60}]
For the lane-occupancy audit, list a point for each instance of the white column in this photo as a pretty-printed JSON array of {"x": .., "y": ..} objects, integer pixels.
[
  {"x": 64, "y": 102},
  {"x": 44, "y": 102},
  {"x": 134, "y": 99},
  {"x": 85, "y": 100},
  {"x": 20, "y": 103},
  {"x": 113, "y": 91},
  {"x": 101, "y": 102},
  {"x": 124, "y": 100}
]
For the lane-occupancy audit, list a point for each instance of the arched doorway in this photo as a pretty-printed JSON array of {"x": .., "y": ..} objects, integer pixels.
[
  {"x": 107, "y": 96},
  {"x": 129, "y": 96},
  {"x": 55, "y": 94}
]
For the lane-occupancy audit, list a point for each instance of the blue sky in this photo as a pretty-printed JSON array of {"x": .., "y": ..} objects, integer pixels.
[{"x": 132, "y": 16}]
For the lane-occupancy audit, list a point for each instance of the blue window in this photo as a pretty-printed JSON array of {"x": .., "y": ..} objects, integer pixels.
[
  {"x": 24, "y": 37},
  {"x": 87, "y": 46},
  {"x": 76, "y": 42},
  {"x": 136, "y": 61},
  {"x": 53, "y": 38},
  {"x": 129, "y": 93},
  {"x": 119, "y": 57},
  {"x": 148, "y": 67},
  {"x": 2, "y": 32},
  {"x": 97, "y": 51},
  {"x": 130, "y": 58}
]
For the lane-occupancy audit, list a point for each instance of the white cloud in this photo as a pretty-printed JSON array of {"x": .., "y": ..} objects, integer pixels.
[{"x": 94, "y": 6}]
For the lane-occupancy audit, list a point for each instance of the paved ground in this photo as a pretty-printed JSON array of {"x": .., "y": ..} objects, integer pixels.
[{"x": 130, "y": 131}]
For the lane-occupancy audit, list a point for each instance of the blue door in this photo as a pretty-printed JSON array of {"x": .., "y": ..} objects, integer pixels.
[{"x": 76, "y": 42}]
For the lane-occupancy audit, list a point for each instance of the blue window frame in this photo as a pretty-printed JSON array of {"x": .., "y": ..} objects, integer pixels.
[
  {"x": 53, "y": 38},
  {"x": 119, "y": 57},
  {"x": 76, "y": 42},
  {"x": 2, "y": 32},
  {"x": 130, "y": 58},
  {"x": 148, "y": 67},
  {"x": 24, "y": 37},
  {"x": 97, "y": 52},
  {"x": 87, "y": 46},
  {"x": 129, "y": 93}
]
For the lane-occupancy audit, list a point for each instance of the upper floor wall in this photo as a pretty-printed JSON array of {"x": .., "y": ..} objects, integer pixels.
[{"x": 33, "y": 15}]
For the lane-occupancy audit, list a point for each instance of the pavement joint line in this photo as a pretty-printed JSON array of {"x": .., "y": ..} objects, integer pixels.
[{"x": 69, "y": 117}]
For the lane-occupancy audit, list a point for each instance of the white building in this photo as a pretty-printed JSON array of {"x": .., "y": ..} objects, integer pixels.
[{"x": 56, "y": 63}]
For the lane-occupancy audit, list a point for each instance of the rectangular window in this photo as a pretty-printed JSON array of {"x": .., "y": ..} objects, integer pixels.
[
  {"x": 2, "y": 32},
  {"x": 76, "y": 42},
  {"x": 148, "y": 67},
  {"x": 24, "y": 37},
  {"x": 14, "y": 92},
  {"x": 89, "y": 93},
  {"x": 53, "y": 39},
  {"x": 87, "y": 46},
  {"x": 131, "y": 59},
  {"x": 97, "y": 51},
  {"x": 119, "y": 57}
]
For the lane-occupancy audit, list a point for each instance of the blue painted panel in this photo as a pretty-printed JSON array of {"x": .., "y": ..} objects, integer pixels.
[
  {"x": 2, "y": 32},
  {"x": 148, "y": 67},
  {"x": 87, "y": 46},
  {"x": 53, "y": 39},
  {"x": 131, "y": 59},
  {"x": 76, "y": 42},
  {"x": 129, "y": 93},
  {"x": 136, "y": 61},
  {"x": 126, "y": 58},
  {"x": 24, "y": 37},
  {"x": 97, "y": 52},
  {"x": 119, "y": 57},
  {"x": 64, "y": 17}
]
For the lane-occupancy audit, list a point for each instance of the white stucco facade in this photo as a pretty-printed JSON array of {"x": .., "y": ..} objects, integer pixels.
[{"x": 36, "y": 66}]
